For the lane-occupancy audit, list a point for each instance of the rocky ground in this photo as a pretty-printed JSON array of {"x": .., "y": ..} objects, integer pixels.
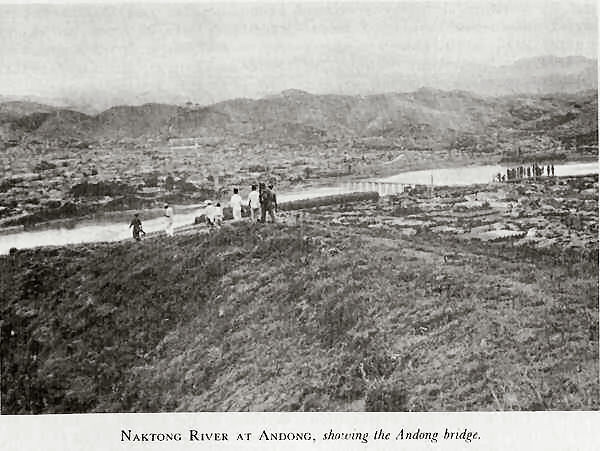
[
  {"x": 468, "y": 299},
  {"x": 559, "y": 212}
]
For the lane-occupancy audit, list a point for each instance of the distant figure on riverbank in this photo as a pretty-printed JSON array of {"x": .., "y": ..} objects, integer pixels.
[
  {"x": 169, "y": 220},
  {"x": 253, "y": 203},
  {"x": 136, "y": 223},
  {"x": 552, "y": 168},
  {"x": 236, "y": 205}
]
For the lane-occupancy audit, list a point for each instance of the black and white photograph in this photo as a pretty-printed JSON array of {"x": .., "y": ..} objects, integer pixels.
[{"x": 298, "y": 207}]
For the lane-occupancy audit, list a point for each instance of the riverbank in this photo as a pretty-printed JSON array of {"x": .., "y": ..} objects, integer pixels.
[
  {"x": 107, "y": 230},
  {"x": 288, "y": 191},
  {"x": 108, "y": 217},
  {"x": 399, "y": 166}
]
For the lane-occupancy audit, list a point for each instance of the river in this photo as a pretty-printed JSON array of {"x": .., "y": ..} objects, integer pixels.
[{"x": 87, "y": 231}]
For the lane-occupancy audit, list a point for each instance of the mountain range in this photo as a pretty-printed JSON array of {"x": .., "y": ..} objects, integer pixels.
[
  {"x": 537, "y": 75},
  {"x": 298, "y": 116},
  {"x": 417, "y": 118}
]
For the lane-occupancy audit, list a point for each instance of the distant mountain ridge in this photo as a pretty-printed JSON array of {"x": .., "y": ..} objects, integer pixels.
[
  {"x": 535, "y": 75},
  {"x": 424, "y": 117},
  {"x": 539, "y": 75}
]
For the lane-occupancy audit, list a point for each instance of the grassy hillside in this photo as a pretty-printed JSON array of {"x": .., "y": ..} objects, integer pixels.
[{"x": 297, "y": 317}]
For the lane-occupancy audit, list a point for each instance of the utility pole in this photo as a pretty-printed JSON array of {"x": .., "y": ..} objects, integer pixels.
[{"x": 431, "y": 186}]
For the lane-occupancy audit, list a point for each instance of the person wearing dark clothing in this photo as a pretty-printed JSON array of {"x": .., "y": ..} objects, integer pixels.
[
  {"x": 136, "y": 223},
  {"x": 274, "y": 197},
  {"x": 267, "y": 203},
  {"x": 548, "y": 170},
  {"x": 552, "y": 168},
  {"x": 528, "y": 172}
]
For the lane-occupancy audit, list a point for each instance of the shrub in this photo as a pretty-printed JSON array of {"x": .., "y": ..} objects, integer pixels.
[
  {"x": 44, "y": 166},
  {"x": 386, "y": 396},
  {"x": 109, "y": 188}
]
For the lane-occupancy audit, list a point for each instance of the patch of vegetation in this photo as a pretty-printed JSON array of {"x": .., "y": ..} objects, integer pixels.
[
  {"x": 44, "y": 166},
  {"x": 100, "y": 189},
  {"x": 8, "y": 184}
]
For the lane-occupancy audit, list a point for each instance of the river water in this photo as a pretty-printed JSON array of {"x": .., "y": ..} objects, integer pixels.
[{"x": 87, "y": 231}]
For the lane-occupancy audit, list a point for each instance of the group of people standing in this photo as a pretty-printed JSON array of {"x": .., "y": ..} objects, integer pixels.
[
  {"x": 261, "y": 201},
  {"x": 522, "y": 172},
  {"x": 264, "y": 201},
  {"x": 534, "y": 170}
]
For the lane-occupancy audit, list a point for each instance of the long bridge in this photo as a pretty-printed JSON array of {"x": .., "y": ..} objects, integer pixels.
[{"x": 382, "y": 188}]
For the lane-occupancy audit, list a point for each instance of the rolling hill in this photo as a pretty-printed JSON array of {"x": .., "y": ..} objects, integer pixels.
[{"x": 288, "y": 318}]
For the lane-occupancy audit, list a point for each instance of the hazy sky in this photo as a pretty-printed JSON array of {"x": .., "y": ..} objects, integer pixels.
[{"x": 209, "y": 52}]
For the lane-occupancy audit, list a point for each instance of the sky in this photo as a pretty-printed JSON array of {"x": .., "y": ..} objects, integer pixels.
[{"x": 205, "y": 52}]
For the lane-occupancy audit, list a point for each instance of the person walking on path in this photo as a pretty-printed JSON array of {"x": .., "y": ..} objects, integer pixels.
[
  {"x": 136, "y": 223},
  {"x": 236, "y": 205},
  {"x": 253, "y": 203},
  {"x": 266, "y": 203},
  {"x": 169, "y": 220}
]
